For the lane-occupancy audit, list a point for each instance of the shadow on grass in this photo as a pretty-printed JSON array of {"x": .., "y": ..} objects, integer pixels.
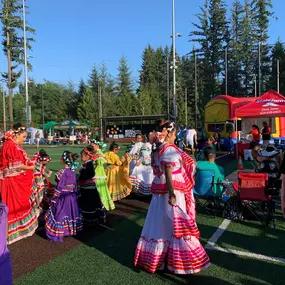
[
  {"x": 250, "y": 237},
  {"x": 245, "y": 270},
  {"x": 119, "y": 242}
]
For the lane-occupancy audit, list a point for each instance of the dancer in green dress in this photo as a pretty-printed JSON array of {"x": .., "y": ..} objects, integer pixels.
[{"x": 100, "y": 175}]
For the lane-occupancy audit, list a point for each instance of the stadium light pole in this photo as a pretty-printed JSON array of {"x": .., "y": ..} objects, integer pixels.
[
  {"x": 173, "y": 36},
  {"x": 26, "y": 67}
]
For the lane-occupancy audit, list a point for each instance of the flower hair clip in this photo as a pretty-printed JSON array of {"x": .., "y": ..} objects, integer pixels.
[
  {"x": 171, "y": 127},
  {"x": 93, "y": 157},
  {"x": 65, "y": 158},
  {"x": 19, "y": 130}
]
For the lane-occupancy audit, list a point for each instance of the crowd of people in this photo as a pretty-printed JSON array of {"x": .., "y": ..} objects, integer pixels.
[{"x": 157, "y": 165}]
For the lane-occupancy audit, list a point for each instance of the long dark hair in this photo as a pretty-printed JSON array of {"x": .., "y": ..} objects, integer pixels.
[{"x": 113, "y": 146}]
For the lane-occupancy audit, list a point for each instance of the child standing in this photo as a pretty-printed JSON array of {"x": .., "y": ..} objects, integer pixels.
[
  {"x": 89, "y": 201},
  {"x": 40, "y": 174},
  {"x": 100, "y": 176},
  {"x": 63, "y": 217},
  {"x": 5, "y": 261},
  {"x": 118, "y": 179}
]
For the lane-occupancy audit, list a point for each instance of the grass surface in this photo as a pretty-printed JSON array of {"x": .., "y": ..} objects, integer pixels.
[{"x": 107, "y": 258}]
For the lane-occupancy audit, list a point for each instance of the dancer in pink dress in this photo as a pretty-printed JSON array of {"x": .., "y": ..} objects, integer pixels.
[{"x": 170, "y": 235}]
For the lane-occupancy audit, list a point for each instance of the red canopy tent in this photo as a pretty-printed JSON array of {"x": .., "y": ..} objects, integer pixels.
[{"x": 270, "y": 104}]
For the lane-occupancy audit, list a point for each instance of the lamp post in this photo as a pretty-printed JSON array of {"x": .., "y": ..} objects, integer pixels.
[
  {"x": 173, "y": 36},
  {"x": 26, "y": 67}
]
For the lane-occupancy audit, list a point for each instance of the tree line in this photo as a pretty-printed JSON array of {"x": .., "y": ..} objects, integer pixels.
[{"x": 228, "y": 42}]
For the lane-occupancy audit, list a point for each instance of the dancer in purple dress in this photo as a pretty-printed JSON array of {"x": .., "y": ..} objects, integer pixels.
[
  {"x": 63, "y": 217},
  {"x": 5, "y": 261}
]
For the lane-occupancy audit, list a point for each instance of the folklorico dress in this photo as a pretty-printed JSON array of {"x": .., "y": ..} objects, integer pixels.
[
  {"x": 89, "y": 200},
  {"x": 142, "y": 175},
  {"x": 63, "y": 218},
  {"x": 170, "y": 233},
  {"x": 101, "y": 181},
  {"x": 118, "y": 179},
  {"x": 134, "y": 152},
  {"x": 5, "y": 260},
  {"x": 16, "y": 190},
  {"x": 40, "y": 174}
]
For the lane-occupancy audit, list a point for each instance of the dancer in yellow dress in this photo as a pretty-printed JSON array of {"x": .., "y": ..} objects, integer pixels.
[{"x": 118, "y": 179}]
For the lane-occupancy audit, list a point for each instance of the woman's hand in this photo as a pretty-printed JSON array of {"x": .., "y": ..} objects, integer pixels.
[
  {"x": 172, "y": 200},
  {"x": 26, "y": 167}
]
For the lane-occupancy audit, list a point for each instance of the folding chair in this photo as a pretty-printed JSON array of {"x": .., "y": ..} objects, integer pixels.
[
  {"x": 253, "y": 196},
  {"x": 204, "y": 183}
]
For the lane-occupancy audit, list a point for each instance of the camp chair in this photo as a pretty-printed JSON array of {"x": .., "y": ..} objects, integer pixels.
[
  {"x": 204, "y": 183},
  {"x": 253, "y": 196}
]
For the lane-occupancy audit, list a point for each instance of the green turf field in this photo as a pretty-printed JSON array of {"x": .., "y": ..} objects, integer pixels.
[
  {"x": 56, "y": 152},
  {"x": 107, "y": 257}
]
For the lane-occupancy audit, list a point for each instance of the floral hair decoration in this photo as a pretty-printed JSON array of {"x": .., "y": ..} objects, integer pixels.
[
  {"x": 93, "y": 157},
  {"x": 19, "y": 130},
  {"x": 73, "y": 165},
  {"x": 102, "y": 145},
  {"x": 42, "y": 158}
]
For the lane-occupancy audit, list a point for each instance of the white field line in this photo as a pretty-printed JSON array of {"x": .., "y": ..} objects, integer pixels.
[
  {"x": 211, "y": 245},
  {"x": 246, "y": 254},
  {"x": 218, "y": 233}
]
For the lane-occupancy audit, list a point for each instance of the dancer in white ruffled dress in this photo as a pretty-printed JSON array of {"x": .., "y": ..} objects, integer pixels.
[
  {"x": 135, "y": 150},
  {"x": 142, "y": 175}
]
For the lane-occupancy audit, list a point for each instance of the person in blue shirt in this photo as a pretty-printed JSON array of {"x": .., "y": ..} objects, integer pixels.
[
  {"x": 180, "y": 136},
  {"x": 210, "y": 164}
]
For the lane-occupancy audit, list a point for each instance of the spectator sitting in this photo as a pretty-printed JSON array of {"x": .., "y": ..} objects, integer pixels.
[
  {"x": 209, "y": 164},
  {"x": 210, "y": 143}
]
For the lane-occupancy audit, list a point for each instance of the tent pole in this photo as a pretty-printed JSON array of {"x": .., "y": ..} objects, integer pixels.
[{"x": 236, "y": 129}]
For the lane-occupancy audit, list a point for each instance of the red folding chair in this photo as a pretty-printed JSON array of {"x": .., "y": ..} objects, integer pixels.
[{"x": 252, "y": 195}]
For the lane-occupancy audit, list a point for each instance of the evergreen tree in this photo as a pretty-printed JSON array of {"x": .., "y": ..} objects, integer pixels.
[
  {"x": 93, "y": 83},
  {"x": 71, "y": 100},
  {"x": 234, "y": 51},
  {"x": 107, "y": 84},
  {"x": 278, "y": 52},
  {"x": 212, "y": 34},
  {"x": 19, "y": 111},
  {"x": 248, "y": 50},
  {"x": 86, "y": 108},
  {"x": 126, "y": 99},
  {"x": 13, "y": 44},
  {"x": 261, "y": 15},
  {"x": 148, "y": 97},
  {"x": 81, "y": 88}
]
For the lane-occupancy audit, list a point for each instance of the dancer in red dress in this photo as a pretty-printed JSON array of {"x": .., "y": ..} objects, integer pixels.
[
  {"x": 170, "y": 235},
  {"x": 16, "y": 180}
]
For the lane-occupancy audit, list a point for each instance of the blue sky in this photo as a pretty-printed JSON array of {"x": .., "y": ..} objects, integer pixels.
[{"x": 74, "y": 35}]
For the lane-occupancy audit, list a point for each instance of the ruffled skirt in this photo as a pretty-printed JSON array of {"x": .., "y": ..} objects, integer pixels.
[
  {"x": 141, "y": 179},
  {"x": 23, "y": 214},
  {"x": 170, "y": 237},
  {"x": 118, "y": 182},
  {"x": 63, "y": 218}
]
